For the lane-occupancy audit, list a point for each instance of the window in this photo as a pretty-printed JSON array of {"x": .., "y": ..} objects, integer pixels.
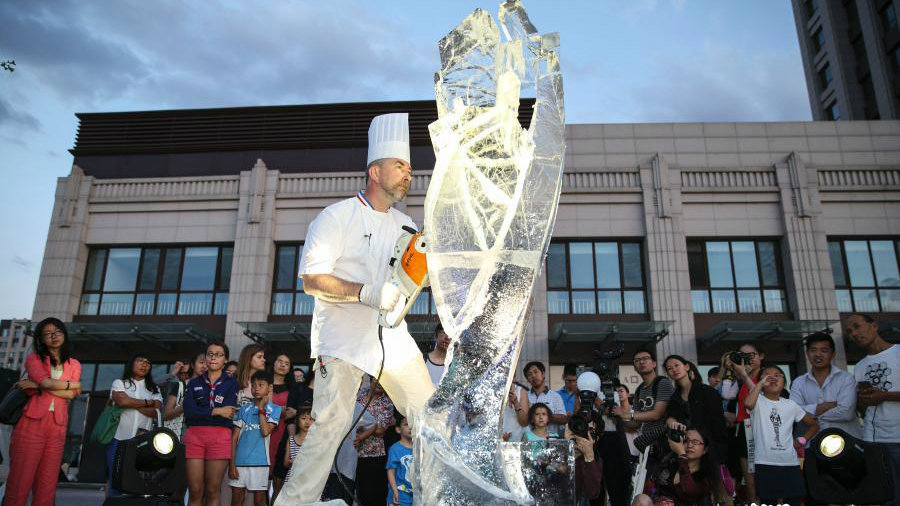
[
  {"x": 818, "y": 40},
  {"x": 825, "y": 76},
  {"x": 833, "y": 112},
  {"x": 888, "y": 16},
  {"x": 595, "y": 278},
  {"x": 287, "y": 293},
  {"x": 192, "y": 280},
  {"x": 865, "y": 274},
  {"x": 736, "y": 277},
  {"x": 811, "y": 7}
]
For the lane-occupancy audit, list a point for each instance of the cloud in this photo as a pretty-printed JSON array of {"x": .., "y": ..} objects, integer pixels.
[
  {"x": 722, "y": 83},
  {"x": 169, "y": 53},
  {"x": 21, "y": 263},
  {"x": 9, "y": 115}
]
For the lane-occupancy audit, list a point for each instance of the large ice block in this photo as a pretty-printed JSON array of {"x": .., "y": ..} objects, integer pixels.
[{"x": 489, "y": 213}]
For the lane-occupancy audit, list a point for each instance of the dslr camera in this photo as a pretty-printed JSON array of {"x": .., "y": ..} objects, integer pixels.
[
  {"x": 739, "y": 357},
  {"x": 603, "y": 377},
  {"x": 675, "y": 435}
]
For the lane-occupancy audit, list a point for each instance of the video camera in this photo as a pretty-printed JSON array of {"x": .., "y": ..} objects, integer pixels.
[{"x": 603, "y": 377}]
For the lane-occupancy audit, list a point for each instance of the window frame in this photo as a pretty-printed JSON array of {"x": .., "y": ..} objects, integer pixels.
[
  {"x": 849, "y": 287},
  {"x": 215, "y": 292},
  {"x": 596, "y": 290},
  {"x": 762, "y": 287}
]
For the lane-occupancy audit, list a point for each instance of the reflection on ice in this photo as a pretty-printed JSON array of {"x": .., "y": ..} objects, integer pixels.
[{"x": 489, "y": 213}]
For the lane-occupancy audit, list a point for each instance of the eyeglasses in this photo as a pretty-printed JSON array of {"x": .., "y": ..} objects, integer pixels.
[
  {"x": 142, "y": 361},
  {"x": 54, "y": 333},
  {"x": 693, "y": 442},
  {"x": 642, "y": 360},
  {"x": 213, "y": 354}
]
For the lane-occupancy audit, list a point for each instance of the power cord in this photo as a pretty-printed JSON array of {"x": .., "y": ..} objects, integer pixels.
[{"x": 358, "y": 418}]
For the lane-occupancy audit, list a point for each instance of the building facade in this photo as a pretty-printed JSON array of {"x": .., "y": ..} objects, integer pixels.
[
  {"x": 176, "y": 227},
  {"x": 14, "y": 343},
  {"x": 851, "y": 57}
]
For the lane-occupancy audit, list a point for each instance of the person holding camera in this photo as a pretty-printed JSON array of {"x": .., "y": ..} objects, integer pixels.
[
  {"x": 779, "y": 478},
  {"x": 689, "y": 479},
  {"x": 745, "y": 365},
  {"x": 695, "y": 404},
  {"x": 827, "y": 392}
]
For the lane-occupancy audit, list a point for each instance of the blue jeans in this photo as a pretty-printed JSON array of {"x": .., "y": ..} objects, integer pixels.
[
  {"x": 893, "y": 453},
  {"x": 110, "y": 460}
]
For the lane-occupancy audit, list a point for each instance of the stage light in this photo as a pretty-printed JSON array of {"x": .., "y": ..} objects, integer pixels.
[
  {"x": 149, "y": 469},
  {"x": 841, "y": 469},
  {"x": 832, "y": 445}
]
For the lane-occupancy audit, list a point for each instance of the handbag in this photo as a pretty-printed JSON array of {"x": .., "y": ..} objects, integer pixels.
[
  {"x": 12, "y": 405},
  {"x": 107, "y": 423}
]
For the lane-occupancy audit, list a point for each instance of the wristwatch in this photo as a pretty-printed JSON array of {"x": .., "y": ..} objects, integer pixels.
[{"x": 801, "y": 440}]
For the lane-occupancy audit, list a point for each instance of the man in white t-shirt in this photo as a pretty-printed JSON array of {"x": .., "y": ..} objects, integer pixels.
[
  {"x": 345, "y": 266},
  {"x": 436, "y": 359},
  {"x": 878, "y": 377},
  {"x": 540, "y": 392}
]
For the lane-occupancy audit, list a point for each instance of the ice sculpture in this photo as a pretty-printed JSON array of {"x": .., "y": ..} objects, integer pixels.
[{"x": 489, "y": 212}]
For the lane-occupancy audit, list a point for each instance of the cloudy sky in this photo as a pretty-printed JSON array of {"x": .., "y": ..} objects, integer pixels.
[{"x": 623, "y": 61}]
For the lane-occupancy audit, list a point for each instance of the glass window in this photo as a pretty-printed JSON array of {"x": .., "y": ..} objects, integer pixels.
[
  {"x": 825, "y": 76},
  {"x": 225, "y": 268},
  {"x": 584, "y": 303},
  {"x": 558, "y": 302},
  {"x": 106, "y": 374},
  {"x": 607, "y": 258},
  {"x": 172, "y": 269},
  {"x": 610, "y": 302},
  {"x": 304, "y": 304},
  {"x": 115, "y": 304},
  {"x": 556, "y": 266},
  {"x": 890, "y": 300},
  {"x": 94, "y": 275},
  {"x": 750, "y": 301},
  {"x": 199, "y": 272},
  {"x": 144, "y": 303},
  {"x": 845, "y": 304},
  {"x": 768, "y": 264},
  {"x": 282, "y": 303},
  {"x": 775, "y": 301},
  {"x": 818, "y": 40},
  {"x": 700, "y": 301},
  {"x": 744, "y": 255},
  {"x": 865, "y": 301},
  {"x": 837, "y": 263},
  {"x": 597, "y": 273},
  {"x": 697, "y": 264},
  {"x": 149, "y": 269},
  {"x": 858, "y": 263},
  {"x": 166, "y": 303},
  {"x": 723, "y": 301},
  {"x": 286, "y": 275},
  {"x": 195, "y": 303},
  {"x": 420, "y": 306},
  {"x": 221, "y": 305},
  {"x": 885, "y": 261},
  {"x": 90, "y": 303},
  {"x": 888, "y": 17},
  {"x": 634, "y": 302},
  {"x": 121, "y": 269},
  {"x": 581, "y": 262},
  {"x": 631, "y": 265},
  {"x": 719, "y": 263}
]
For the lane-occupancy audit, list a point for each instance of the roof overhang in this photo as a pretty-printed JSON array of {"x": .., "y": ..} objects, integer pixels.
[
  {"x": 604, "y": 331},
  {"x": 764, "y": 330},
  {"x": 160, "y": 335},
  {"x": 299, "y": 332}
]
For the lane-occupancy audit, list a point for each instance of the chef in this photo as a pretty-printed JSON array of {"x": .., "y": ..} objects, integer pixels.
[{"x": 345, "y": 267}]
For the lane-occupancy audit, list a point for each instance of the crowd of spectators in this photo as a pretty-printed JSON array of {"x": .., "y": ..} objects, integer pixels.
[{"x": 729, "y": 440}]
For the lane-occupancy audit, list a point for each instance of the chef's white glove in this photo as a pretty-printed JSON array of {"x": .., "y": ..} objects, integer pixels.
[{"x": 381, "y": 297}]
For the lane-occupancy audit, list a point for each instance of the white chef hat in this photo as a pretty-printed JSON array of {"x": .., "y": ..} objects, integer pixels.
[{"x": 389, "y": 137}]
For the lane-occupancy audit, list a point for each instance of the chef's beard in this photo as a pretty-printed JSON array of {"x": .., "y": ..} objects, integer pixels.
[{"x": 397, "y": 192}]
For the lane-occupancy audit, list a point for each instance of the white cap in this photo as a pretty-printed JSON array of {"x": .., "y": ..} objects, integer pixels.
[{"x": 389, "y": 137}]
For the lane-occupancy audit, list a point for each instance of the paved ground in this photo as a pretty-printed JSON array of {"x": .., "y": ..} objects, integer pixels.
[{"x": 79, "y": 497}]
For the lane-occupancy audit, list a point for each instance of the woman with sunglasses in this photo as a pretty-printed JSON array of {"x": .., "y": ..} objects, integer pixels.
[
  {"x": 36, "y": 448},
  {"x": 138, "y": 394},
  {"x": 690, "y": 478},
  {"x": 209, "y": 406}
]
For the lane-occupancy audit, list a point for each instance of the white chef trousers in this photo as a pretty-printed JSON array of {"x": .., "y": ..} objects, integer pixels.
[{"x": 409, "y": 387}]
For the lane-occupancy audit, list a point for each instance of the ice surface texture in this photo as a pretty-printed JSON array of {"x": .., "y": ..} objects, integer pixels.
[{"x": 489, "y": 213}]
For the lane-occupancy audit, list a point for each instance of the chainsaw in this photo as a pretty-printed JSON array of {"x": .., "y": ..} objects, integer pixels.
[{"x": 410, "y": 273}]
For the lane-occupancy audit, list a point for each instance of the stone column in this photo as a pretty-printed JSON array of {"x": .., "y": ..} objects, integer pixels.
[
  {"x": 666, "y": 266},
  {"x": 807, "y": 266},
  {"x": 254, "y": 254},
  {"x": 65, "y": 255}
]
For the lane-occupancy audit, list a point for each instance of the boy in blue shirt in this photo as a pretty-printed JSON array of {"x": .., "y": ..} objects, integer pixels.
[
  {"x": 250, "y": 459},
  {"x": 399, "y": 458}
]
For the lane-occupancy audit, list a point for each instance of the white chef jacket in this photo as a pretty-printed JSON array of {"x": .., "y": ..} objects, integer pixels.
[{"x": 354, "y": 242}]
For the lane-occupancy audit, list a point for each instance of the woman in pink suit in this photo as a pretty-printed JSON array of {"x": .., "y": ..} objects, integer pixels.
[{"x": 37, "y": 441}]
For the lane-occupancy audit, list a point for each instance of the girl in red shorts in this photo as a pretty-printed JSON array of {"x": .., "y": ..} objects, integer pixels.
[{"x": 210, "y": 401}]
